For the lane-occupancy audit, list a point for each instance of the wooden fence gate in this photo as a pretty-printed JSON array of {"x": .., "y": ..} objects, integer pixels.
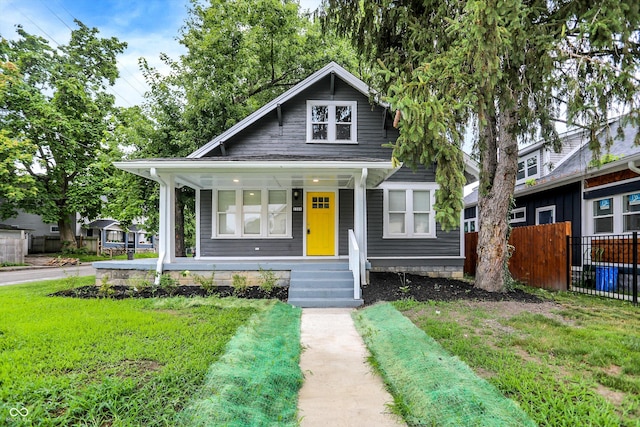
[{"x": 540, "y": 256}]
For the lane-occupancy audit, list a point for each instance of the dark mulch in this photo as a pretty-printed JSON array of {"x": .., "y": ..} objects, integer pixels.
[
  {"x": 120, "y": 292},
  {"x": 395, "y": 286},
  {"x": 382, "y": 287}
]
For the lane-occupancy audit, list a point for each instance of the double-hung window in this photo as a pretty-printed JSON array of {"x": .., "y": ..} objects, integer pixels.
[
  {"x": 528, "y": 167},
  {"x": 603, "y": 215},
  {"x": 331, "y": 122},
  {"x": 408, "y": 213},
  {"x": 253, "y": 213}
]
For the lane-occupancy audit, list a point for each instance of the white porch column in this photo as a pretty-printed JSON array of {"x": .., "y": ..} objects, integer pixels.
[
  {"x": 166, "y": 229},
  {"x": 360, "y": 218}
]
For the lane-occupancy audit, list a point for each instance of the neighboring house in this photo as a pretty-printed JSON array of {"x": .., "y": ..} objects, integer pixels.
[
  {"x": 598, "y": 198},
  {"x": 112, "y": 236},
  {"x": 308, "y": 178},
  {"x": 13, "y": 244},
  {"x": 41, "y": 236}
]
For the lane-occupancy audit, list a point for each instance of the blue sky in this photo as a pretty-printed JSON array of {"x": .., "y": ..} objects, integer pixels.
[{"x": 148, "y": 26}]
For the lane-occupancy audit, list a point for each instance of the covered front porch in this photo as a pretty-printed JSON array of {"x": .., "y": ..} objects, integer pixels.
[{"x": 254, "y": 214}]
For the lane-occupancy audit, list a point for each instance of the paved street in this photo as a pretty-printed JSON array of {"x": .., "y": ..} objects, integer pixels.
[{"x": 31, "y": 275}]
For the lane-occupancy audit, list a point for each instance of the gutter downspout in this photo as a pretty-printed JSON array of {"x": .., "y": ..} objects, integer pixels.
[
  {"x": 632, "y": 167},
  {"x": 162, "y": 252}
]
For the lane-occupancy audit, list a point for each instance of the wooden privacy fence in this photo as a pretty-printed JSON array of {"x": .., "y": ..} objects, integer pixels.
[{"x": 540, "y": 255}]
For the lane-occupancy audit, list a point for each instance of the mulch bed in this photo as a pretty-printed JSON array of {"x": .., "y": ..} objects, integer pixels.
[
  {"x": 382, "y": 287},
  {"x": 397, "y": 286},
  {"x": 120, "y": 292}
]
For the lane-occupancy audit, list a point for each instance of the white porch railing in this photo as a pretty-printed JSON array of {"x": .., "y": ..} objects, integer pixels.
[{"x": 354, "y": 263}]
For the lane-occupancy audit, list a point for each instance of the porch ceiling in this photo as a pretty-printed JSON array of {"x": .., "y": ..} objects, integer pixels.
[{"x": 208, "y": 174}]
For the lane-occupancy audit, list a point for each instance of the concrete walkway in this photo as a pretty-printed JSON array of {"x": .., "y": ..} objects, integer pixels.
[{"x": 340, "y": 388}]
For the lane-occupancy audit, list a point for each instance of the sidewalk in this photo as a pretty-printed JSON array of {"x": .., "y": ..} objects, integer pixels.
[{"x": 340, "y": 387}]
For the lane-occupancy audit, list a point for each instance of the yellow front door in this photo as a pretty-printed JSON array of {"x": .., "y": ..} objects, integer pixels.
[{"x": 321, "y": 224}]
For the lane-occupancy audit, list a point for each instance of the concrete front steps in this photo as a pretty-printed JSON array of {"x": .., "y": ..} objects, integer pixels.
[{"x": 322, "y": 285}]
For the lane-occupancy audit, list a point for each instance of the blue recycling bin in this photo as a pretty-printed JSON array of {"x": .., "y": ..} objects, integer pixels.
[{"x": 606, "y": 279}]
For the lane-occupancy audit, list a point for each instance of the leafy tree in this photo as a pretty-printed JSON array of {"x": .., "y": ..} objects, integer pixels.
[
  {"x": 240, "y": 55},
  {"x": 54, "y": 107},
  {"x": 512, "y": 68}
]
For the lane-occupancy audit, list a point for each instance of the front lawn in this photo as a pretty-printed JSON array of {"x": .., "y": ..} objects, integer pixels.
[
  {"x": 65, "y": 361},
  {"x": 571, "y": 361}
]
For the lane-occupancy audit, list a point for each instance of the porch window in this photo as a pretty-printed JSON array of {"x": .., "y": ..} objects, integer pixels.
[
  {"x": 603, "y": 216},
  {"x": 408, "y": 213},
  {"x": 115, "y": 236},
  {"x": 252, "y": 213},
  {"x": 331, "y": 122},
  {"x": 631, "y": 212}
]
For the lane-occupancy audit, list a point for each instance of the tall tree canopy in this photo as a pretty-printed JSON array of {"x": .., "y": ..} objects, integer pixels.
[
  {"x": 240, "y": 55},
  {"x": 54, "y": 109},
  {"x": 512, "y": 67}
]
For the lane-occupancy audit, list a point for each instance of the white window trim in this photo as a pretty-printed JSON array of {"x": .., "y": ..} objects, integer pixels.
[
  {"x": 264, "y": 215},
  {"x": 409, "y": 187},
  {"x": 332, "y": 124},
  {"x": 551, "y": 208},
  {"x": 467, "y": 225},
  {"x": 526, "y": 175},
  {"x": 54, "y": 229},
  {"x": 514, "y": 220},
  {"x": 624, "y": 214}
]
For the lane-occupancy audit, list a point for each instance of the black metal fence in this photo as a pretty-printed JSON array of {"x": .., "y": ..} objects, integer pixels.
[{"x": 605, "y": 265}]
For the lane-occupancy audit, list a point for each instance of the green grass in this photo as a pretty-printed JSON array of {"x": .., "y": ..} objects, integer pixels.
[
  {"x": 575, "y": 364},
  {"x": 430, "y": 387},
  {"x": 107, "y": 362},
  {"x": 256, "y": 382},
  {"x": 11, "y": 264},
  {"x": 93, "y": 258}
]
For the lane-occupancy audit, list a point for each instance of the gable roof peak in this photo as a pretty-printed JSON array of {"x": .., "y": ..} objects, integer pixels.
[{"x": 331, "y": 67}]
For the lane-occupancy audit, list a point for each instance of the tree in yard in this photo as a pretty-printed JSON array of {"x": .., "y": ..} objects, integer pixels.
[
  {"x": 53, "y": 111},
  {"x": 240, "y": 55},
  {"x": 513, "y": 68}
]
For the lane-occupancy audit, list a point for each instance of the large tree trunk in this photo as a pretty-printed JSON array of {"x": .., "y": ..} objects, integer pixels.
[
  {"x": 67, "y": 232},
  {"x": 497, "y": 180}
]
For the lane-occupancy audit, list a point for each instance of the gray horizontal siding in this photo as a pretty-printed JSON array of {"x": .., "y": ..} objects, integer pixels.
[
  {"x": 246, "y": 247},
  {"x": 266, "y": 136},
  {"x": 421, "y": 174},
  {"x": 445, "y": 243},
  {"x": 346, "y": 220}
]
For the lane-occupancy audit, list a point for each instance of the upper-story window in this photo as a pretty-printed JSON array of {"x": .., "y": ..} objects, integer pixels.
[
  {"x": 331, "y": 122},
  {"x": 528, "y": 167}
]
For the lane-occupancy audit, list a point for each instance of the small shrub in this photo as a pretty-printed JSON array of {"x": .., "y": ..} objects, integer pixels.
[
  {"x": 168, "y": 284},
  {"x": 207, "y": 283},
  {"x": 106, "y": 288},
  {"x": 140, "y": 283},
  {"x": 268, "y": 280},
  {"x": 239, "y": 283}
]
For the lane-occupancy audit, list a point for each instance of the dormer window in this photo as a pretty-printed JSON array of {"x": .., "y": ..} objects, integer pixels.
[
  {"x": 528, "y": 167},
  {"x": 331, "y": 122}
]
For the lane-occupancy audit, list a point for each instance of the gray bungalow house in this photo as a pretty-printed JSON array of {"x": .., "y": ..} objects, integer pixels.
[{"x": 305, "y": 186}]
